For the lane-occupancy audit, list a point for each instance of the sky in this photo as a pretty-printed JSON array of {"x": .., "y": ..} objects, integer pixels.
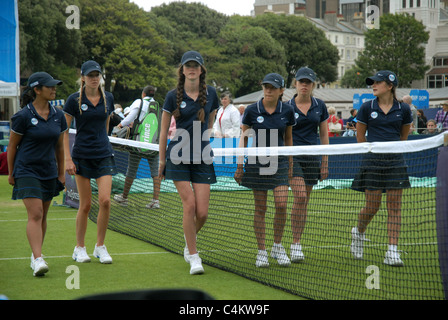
[{"x": 228, "y": 7}]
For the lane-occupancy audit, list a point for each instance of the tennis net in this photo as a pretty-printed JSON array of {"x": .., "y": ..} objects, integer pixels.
[{"x": 329, "y": 269}]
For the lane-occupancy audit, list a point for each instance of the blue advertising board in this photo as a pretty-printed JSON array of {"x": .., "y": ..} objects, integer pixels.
[{"x": 420, "y": 98}]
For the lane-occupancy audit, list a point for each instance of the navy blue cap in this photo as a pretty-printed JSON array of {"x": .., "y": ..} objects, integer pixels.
[
  {"x": 383, "y": 75},
  {"x": 90, "y": 66},
  {"x": 275, "y": 79},
  {"x": 306, "y": 73},
  {"x": 192, "y": 56},
  {"x": 42, "y": 79}
]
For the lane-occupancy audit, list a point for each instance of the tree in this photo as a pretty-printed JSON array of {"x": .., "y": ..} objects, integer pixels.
[
  {"x": 248, "y": 54},
  {"x": 119, "y": 36},
  {"x": 398, "y": 45},
  {"x": 304, "y": 45}
]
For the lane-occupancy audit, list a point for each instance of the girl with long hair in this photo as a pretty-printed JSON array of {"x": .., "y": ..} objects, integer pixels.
[
  {"x": 188, "y": 159},
  {"x": 90, "y": 108},
  {"x": 36, "y": 159},
  {"x": 311, "y": 123}
]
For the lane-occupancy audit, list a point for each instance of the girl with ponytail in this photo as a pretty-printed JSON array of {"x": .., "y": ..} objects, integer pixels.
[
  {"x": 91, "y": 157},
  {"x": 188, "y": 159}
]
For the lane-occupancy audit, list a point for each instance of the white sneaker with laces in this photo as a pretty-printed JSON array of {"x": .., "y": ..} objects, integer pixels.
[
  {"x": 154, "y": 204},
  {"x": 393, "y": 259},
  {"x": 32, "y": 260},
  {"x": 262, "y": 259},
  {"x": 80, "y": 255},
  {"x": 101, "y": 253},
  {"x": 40, "y": 267},
  {"x": 196, "y": 264},
  {"x": 357, "y": 245},
  {"x": 121, "y": 200},
  {"x": 296, "y": 252},
  {"x": 279, "y": 253}
]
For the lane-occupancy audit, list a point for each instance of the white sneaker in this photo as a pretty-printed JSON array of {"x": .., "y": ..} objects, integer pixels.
[
  {"x": 101, "y": 253},
  {"x": 262, "y": 259},
  {"x": 358, "y": 239},
  {"x": 40, "y": 267},
  {"x": 196, "y": 264},
  {"x": 393, "y": 259},
  {"x": 80, "y": 255},
  {"x": 279, "y": 253},
  {"x": 296, "y": 252},
  {"x": 121, "y": 200},
  {"x": 32, "y": 260},
  {"x": 186, "y": 254},
  {"x": 154, "y": 204}
]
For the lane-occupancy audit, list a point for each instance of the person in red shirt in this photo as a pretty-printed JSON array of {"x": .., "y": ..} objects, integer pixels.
[{"x": 3, "y": 163}]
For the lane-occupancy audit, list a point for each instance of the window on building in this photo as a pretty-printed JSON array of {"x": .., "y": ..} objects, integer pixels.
[{"x": 438, "y": 81}]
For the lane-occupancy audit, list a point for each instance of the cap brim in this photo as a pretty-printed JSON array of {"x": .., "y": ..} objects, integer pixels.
[
  {"x": 51, "y": 83},
  {"x": 191, "y": 59},
  {"x": 305, "y": 77},
  {"x": 371, "y": 80},
  {"x": 275, "y": 84},
  {"x": 91, "y": 70}
]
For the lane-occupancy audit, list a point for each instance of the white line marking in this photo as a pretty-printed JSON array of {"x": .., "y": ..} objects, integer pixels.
[{"x": 112, "y": 254}]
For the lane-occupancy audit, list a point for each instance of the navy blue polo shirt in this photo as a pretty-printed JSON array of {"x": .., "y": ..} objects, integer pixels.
[
  {"x": 263, "y": 123},
  {"x": 189, "y": 137},
  {"x": 91, "y": 140},
  {"x": 384, "y": 127},
  {"x": 35, "y": 155},
  {"x": 305, "y": 131}
]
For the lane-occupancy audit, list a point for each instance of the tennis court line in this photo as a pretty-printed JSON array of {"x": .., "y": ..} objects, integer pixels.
[
  {"x": 70, "y": 256},
  {"x": 166, "y": 252},
  {"x": 51, "y": 219}
]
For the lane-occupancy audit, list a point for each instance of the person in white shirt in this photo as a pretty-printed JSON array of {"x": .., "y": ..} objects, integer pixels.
[
  {"x": 227, "y": 123},
  {"x": 134, "y": 159}
]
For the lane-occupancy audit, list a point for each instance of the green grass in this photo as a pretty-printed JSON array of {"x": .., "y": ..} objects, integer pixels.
[
  {"x": 329, "y": 271},
  {"x": 227, "y": 243},
  {"x": 137, "y": 265}
]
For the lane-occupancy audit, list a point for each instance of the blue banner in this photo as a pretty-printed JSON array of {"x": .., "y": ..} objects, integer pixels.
[
  {"x": 9, "y": 46},
  {"x": 420, "y": 98}
]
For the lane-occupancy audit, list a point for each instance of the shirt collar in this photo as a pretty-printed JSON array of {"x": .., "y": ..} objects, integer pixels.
[{"x": 261, "y": 108}]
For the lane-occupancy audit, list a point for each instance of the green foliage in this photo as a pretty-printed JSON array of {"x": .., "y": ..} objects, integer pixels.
[
  {"x": 398, "y": 45},
  {"x": 304, "y": 45},
  {"x": 44, "y": 39},
  {"x": 137, "y": 48}
]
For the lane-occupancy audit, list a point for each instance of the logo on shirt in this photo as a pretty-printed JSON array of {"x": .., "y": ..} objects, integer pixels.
[
  {"x": 183, "y": 104},
  {"x": 84, "y": 107},
  {"x": 260, "y": 119},
  {"x": 374, "y": 114},
  {"x": 296, "y": 115},
  {"x": 34, "y": 121}
]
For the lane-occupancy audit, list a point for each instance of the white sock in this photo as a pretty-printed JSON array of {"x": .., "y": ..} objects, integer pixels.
[{"x": 393, "y": 247}]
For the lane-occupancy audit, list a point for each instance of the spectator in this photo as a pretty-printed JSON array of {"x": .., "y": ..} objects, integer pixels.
[
  {"x": 335, "y": 125},
  {"x": 4, "y": 163},
  {"x": 421, "y": 121},
  {"x": 227, "y": 124},
  {"x": 442, "y": 117},
  {"x": 408, "y": 99},
  {"x": 431, "y": 127}
]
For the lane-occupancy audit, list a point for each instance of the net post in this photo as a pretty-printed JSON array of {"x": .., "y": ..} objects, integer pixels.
[{"x": 442, "y": 213}]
